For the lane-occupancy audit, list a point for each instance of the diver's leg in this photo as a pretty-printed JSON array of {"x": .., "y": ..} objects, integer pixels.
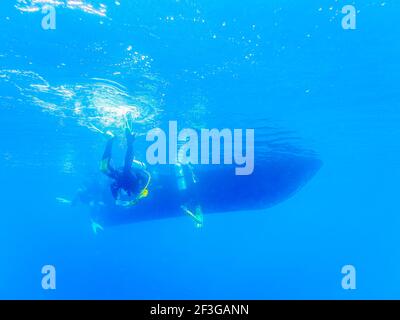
[
  {"x": 130, "y": 139},
  {"x": 105, "y": 165},
  {"x": 193, "y": 199},
  {"x": 192, "y": 174}
]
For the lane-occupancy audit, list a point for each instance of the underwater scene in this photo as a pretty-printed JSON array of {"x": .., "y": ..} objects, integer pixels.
[{"x": 198, "y": 149}]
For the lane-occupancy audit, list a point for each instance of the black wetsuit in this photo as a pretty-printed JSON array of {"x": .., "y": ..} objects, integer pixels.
[{"x": 124, "y": 178}]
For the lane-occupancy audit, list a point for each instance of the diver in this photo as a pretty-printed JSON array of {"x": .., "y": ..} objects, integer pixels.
[
  {"x": 188, "y": 192},
  {"x": 92, "y": 195},
  {"x": 132, "y": 180}
]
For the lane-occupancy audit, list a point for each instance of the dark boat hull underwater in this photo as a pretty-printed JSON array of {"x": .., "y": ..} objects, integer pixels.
[{"x": 218, "y": 189}]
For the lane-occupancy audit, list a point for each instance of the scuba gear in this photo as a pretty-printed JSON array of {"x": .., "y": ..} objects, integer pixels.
[{"x": 143, "y": 193}]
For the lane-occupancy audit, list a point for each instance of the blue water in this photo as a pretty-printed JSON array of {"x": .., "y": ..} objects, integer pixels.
[{"x": 287, "y": 66}]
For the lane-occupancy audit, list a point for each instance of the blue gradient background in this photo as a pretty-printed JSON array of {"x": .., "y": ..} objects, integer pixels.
[{"x": 336, "y": 90}]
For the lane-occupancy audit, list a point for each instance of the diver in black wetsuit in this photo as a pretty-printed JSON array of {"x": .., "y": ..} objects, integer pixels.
[{"x": 127, "y": 180}]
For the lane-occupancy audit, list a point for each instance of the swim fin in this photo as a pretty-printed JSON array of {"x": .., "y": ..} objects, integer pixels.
[
  {"x": 63, "y": 200},
  {"x": 96, "y": 227},
  {"x": 200, "y": 217},
  {"x": 197, "y": 216}
]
